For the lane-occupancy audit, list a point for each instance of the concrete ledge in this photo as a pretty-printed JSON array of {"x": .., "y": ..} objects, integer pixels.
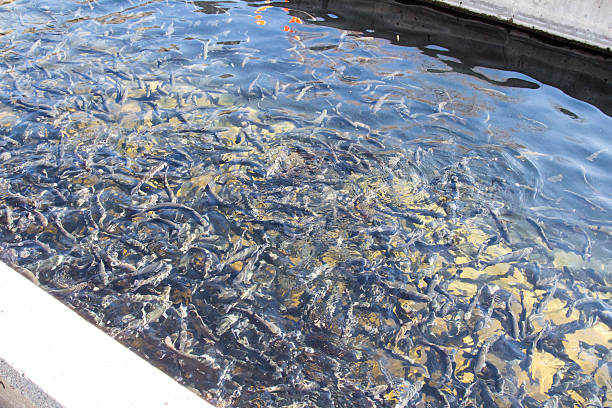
[
  {"x": 586, "y": 22},
  {"x": 51, "y": 357}
]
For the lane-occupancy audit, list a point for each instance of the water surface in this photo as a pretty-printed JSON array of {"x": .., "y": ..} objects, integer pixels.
[{"x": 277, "y": 212}]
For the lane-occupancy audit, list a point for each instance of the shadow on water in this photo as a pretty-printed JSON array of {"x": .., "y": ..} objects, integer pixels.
[{"x": 472, "y": 42}]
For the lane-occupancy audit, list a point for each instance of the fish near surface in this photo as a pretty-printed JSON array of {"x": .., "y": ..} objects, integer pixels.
[{"x": 374, "y": 239}]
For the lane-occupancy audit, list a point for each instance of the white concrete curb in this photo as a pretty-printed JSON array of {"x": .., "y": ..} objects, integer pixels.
[
  {"x": 584, "y": 21},
  {"x": 51, "y": 357}
]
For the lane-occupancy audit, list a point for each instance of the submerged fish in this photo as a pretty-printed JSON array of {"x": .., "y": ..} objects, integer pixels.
[{"x": 351, "y": 251}]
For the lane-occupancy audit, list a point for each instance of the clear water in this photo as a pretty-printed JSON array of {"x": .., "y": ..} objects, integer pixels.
[{"x": 278, "y": 213}]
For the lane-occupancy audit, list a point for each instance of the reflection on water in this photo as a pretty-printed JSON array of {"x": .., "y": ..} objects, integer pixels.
[{"x": 287, "y": 214}]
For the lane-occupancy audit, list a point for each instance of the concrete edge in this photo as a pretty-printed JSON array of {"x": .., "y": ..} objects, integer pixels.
[
  {"x": 17, "y": 391},
  {"x": 562, "y": 22},
  {"x": 50, "y": 357}
]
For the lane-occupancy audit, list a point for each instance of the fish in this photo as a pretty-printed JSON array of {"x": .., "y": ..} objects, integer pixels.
[
  {"x": 171, "y": 206},
  {"x": 486, "y": 395},
  {"x": 446, "y": 358},
  {"x": 40, "y": 217},
  {"x": 432, "y": 285},
  {"x": 406, "y": 294},
  {"x": 97, "y": 213},
  {"x": 162, "y": 222},
  {"x": 596, "y": 154},
  {"x": 103, "y": 274},
  {"x": 326, "y": 247},
  {"x": 605, "y": 316},
  {"x": 69, "y": 289},
  {"x": 586, "y": 200},
  {"x": 115, "y": 263},
  {"x": 540, "y": 231},
  {"x": 148, "y": 175},
  {"x": 44, "y": 247},
  {"x": 541, "y": 306},
  {"x": 20, "y": 200},
  {"x": 119, "y": 74},
  {"x": 481, "y": 357},
  {"x": 226, "y": 322},
  {"x": 169, "y": 29},
  {"x": 514, "y": 256},
  {"x": 503, "y": 230},
  {"x": 265, "y": 324},
  {"x": 201, "y": 328},
  {"x": 514, "y": 321},
  {"x": 34, "y": 46},
  {"x": 121, "y": 95},
  {"x": 588, "y": 246},
  {"x": 531, "y": 348},
  {"x": 31, "y": 276},
  {"x": 379, "y": 103},
  {"x": 205, "y": 50}
]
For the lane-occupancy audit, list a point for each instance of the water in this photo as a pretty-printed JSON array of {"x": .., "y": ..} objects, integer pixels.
[{"x": 279, "y": 212}]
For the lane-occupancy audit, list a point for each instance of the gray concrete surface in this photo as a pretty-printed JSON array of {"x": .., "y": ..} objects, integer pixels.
[
  {"x": 17, "y": 391},
  {"x": 50, "y": 357},
  {"x": 585, "y": 21}
]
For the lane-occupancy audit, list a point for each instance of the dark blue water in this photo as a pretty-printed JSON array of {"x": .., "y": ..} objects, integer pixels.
[{"x": 277, "y": 212}]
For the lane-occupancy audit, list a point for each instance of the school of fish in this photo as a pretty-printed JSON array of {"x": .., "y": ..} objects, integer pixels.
[{"x": 306, "y": 229}]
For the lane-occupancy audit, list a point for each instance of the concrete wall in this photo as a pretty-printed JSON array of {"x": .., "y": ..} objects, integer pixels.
[
  {"x": 50, "y": 357},
  {"x": 584, "y": 21}
]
